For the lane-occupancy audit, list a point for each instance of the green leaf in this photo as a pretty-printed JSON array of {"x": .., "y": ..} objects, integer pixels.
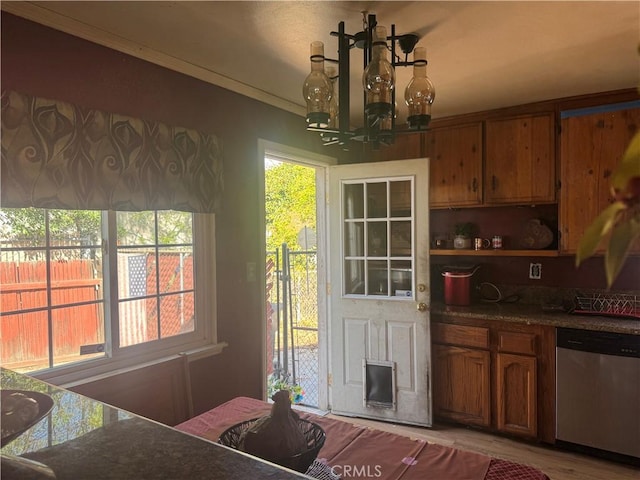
[
  {"x": 600, "y": 227},
  {"x": 629, "y": 165},
  {"x": 622, "y": 237}
]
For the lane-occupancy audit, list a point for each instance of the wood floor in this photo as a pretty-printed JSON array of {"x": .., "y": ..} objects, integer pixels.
[{"x": 557, "y": 464}]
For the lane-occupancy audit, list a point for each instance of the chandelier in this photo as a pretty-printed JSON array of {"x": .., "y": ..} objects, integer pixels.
[{"x": 327, "y": 93}]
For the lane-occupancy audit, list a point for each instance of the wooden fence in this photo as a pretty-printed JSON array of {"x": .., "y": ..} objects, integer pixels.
[
  {"x": 24, "y": 336},
  {"x": 23, "y": 287}
]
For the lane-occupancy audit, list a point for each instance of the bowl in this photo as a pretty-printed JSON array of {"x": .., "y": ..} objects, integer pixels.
[
  {"x": 45, "y": 403},
  {"x": 313, "y": 434}
]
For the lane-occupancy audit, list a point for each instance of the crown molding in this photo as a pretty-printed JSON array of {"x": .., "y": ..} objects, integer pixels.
[{"x": 43, "y": 16}]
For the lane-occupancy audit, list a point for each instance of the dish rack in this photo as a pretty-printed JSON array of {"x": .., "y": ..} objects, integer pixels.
[{"x": 616, "y": 305}]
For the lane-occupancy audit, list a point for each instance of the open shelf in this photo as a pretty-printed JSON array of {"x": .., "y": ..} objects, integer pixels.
[{"x": 495, "y": 253}]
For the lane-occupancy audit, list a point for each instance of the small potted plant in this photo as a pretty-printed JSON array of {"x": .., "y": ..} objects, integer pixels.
[
  {"x": 281, "y": 381},
  {"x": 462, "y": 235}
]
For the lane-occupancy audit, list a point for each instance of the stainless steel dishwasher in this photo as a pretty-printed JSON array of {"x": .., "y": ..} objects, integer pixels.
[{"x": 598, "y": 393}]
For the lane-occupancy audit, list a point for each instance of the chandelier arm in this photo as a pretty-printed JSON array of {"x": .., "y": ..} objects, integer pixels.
[
  {"x": 368, "y": 53},
  {"x": 351, "y": 39},
  {"x": 393, "y": 91}
]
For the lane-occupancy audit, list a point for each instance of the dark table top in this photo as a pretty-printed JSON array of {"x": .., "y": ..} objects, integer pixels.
[{"x": 84, "y": 439}]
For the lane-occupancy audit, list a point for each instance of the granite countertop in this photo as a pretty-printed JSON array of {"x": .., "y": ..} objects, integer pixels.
[
  {"x": 81, "y": 438},
  {"x": 535, "y": 315}
]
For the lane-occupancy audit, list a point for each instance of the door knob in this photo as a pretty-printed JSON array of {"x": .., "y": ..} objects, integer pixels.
[
  {"x": 422, "y": 287},
  {"x": 422, "y": 307}
]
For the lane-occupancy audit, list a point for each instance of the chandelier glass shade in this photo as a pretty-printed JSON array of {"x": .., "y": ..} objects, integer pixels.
[
  {"x": 420, "y": 93},
  {"x": 317, "y": 89},
  {"x": 327, "y": 94}
]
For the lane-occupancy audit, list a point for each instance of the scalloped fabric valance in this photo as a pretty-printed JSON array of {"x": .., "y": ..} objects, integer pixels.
[{"x": 59, "y": 155}]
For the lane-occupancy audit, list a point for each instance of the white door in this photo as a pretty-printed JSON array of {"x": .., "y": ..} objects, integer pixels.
[{"x": 379, "y": 291}]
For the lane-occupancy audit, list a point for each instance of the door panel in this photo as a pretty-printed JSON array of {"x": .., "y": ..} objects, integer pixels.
[
  {"x": 401, "y": 340},
  {"x": 378, "y": 248},
  {"x": 357, "y": 346}
]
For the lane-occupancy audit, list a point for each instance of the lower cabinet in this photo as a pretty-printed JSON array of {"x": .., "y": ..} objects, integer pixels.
[
  {"x": 495, "y": 375},
  {"x": 516, "y": 394},
  {"x": 464, "y": 388}
]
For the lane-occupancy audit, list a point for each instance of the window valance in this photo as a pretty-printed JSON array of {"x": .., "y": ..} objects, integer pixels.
[{"x": 59, "y": 155}]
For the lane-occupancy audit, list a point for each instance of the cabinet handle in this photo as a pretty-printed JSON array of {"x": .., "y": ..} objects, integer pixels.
[
  {"x": 474, "y": 185},
  {"x": 494, "y": 182}
]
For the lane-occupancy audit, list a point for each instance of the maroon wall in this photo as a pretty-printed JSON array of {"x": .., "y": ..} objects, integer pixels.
[
  {"x": 44, "y": 62},
  {"x": 510, "y": 222}
]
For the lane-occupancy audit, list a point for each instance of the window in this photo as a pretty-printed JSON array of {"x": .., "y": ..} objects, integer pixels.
[
  {"x": 377, "y": 235},
  {"x": 83, "y": 292}
]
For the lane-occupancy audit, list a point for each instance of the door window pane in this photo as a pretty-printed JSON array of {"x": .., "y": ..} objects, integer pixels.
[
  {"x": 354, "y": 239},
  {"x": 377, "y": 200},
  {"x": 384, "y": 266},
  {"x": 401, "y": 278},
  {"x": 354, "y": 277},
  {"x": 377, "y": 239},
  {"x": 401, "y": 240},
  {"x": 400, "y": 198},
  {"x": 353, "y": 200},
  {"x": 378, "y": 276}
]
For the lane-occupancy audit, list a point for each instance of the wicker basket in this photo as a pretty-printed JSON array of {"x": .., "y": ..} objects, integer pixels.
[{"x": 313, "y": 434}]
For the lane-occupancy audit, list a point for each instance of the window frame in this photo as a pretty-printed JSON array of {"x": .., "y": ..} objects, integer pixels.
[{"x": 197, "y": 344}]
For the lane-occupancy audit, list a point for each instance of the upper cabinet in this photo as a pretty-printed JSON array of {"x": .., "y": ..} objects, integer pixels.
[
  {"x": 520, "y": 163},
  {"x": 592, "y": 141},
  {"x": 455, "y": 155}
]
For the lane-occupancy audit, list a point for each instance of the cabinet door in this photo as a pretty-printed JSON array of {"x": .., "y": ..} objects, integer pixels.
[
  {"x": 591, "y": 146},
  {"x": 516, "y": 394},
  {"x": 461, "y": 384},
  {"x": 455, "y": 155},
  {"x": 520, "y": 160}
]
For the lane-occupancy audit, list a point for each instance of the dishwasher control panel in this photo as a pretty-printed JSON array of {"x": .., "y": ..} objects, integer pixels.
[{"x": 607, "y": 343}]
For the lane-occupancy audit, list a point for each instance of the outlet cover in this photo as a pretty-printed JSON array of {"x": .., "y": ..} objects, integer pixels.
[{"x": 535, "y": 271}]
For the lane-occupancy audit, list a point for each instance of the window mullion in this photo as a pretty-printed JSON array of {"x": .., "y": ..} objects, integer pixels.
[
  {"x": 156, "y": 251},
  {"x": 47, "y": 250},
  {"x": 110, "y": 279}
]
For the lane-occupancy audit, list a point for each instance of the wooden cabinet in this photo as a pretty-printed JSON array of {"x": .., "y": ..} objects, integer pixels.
[
  {"x": 495, "y": 375},
  {"x": 462, "y": 388},
  {"x": 462, "y": 374},
  {"x": 516, "y": 394},
  {"x": 592, "y": 142},
  {"x": 520, "y": 163},
  {"x": 455, "y": 155},
  {"x": 516, "y": 382}
]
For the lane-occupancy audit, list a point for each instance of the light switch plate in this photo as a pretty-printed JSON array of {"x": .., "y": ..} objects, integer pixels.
[{"x": 251, "y": 272}]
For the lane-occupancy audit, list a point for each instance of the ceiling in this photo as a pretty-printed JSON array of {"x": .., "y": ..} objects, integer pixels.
[{"x": 482, "y": 55}]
